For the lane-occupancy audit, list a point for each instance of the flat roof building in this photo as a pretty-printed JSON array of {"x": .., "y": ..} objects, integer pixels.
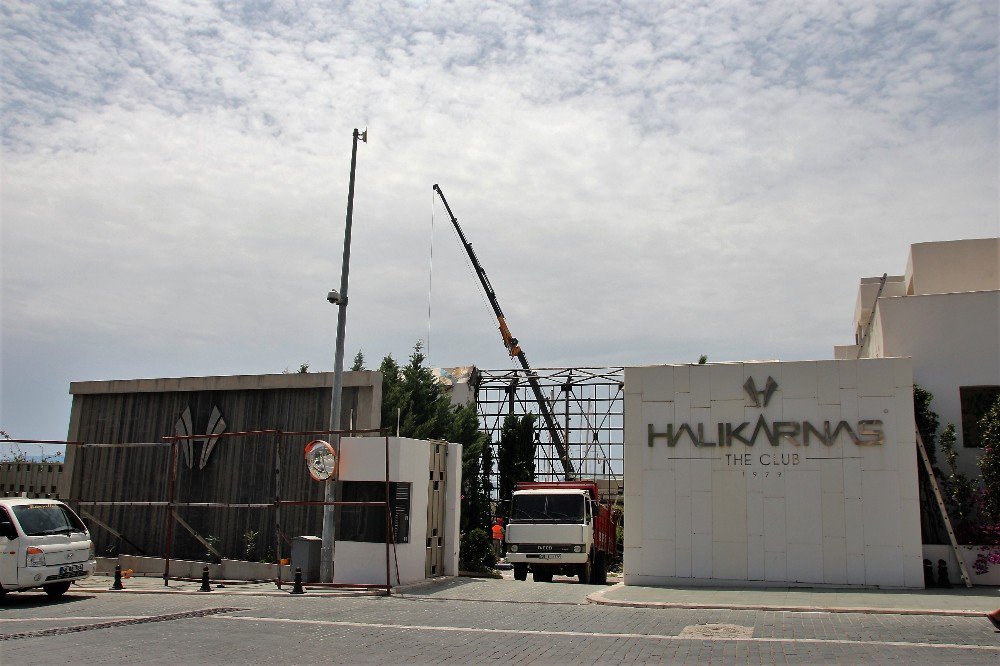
[{"x": 944, "y": 313}]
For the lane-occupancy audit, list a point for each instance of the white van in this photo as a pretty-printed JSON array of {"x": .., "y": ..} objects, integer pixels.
[{"x": 43, "y": 543}]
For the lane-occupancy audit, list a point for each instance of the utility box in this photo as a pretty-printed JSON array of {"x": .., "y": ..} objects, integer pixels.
[{"x": 306, "y": 553}]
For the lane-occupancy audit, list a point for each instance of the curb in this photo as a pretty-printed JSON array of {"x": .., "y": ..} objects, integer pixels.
[
  {"x": 234, "y": 593},
  {"x": 599, "y": 598}
]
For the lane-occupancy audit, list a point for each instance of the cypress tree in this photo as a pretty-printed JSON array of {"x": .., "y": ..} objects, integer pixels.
[
  {"x": 425, "y": 412},
  {"x": 516, "y": 459}
]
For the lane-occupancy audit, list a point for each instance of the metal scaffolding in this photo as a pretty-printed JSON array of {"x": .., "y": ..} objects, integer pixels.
[{"x": 587, "y": 403}]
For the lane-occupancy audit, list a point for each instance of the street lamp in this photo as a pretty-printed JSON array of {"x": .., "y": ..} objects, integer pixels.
[{"x": 340, "y": 300}]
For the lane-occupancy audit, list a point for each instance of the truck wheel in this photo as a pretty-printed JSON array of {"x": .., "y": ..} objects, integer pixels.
[
  {"x": 600, "y": 575},
  {"x": 520, "y": 572},
  {"x": 56, "y": 589},
  {"x": 541, "y": 576},
  {"x": 586, "y": 572}
]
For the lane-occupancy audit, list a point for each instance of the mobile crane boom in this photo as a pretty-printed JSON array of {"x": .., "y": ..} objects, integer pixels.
[{"x": 513, "y": 348}]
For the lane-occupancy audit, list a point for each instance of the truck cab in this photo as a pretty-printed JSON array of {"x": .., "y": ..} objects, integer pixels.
[
  {"x": 43, "y": 543},
  {"x": 557, "y": 528}
]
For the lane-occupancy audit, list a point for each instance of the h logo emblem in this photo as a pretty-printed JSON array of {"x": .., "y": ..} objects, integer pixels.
[
  {"x": 760, "y": 398},
  {"x": 183, "y": 428}
]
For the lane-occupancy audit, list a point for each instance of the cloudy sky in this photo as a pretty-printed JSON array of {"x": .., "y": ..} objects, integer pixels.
[{"x": 644, "y": 182}]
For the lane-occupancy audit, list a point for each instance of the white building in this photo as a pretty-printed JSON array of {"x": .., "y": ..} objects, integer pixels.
[
  {"x": 425, "y": 513},
  {"x": 944, "y": 313},
  {"x": 799, "y": 473},
  {"x": 805, "y": 473}
]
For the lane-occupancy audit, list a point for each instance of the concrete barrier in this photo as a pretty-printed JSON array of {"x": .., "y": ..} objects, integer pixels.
[
  {"x": 227, "y": 570},
  {"x": 241, "y": 570},
  {"x": 178, "y": 568}
]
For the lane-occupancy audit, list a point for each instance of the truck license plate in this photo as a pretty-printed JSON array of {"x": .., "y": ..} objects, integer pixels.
[{"x": 549, "y": 557}]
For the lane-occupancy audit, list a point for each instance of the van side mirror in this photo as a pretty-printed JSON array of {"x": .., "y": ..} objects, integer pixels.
[{"x": 8, "y": 530}]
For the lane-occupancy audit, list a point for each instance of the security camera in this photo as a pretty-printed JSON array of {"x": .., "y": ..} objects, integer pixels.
[{"x": 333, "y": 297}]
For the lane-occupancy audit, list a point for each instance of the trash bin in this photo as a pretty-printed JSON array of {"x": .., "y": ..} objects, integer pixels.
[{"x": 306, "y": 552}]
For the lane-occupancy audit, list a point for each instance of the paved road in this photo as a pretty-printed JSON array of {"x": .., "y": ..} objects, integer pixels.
[{"x": 463, "y": 621}]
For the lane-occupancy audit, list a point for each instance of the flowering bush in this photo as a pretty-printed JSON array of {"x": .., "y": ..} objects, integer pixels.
[
  {"x": 973, "y": 504},
  {"x": 985, "y": 558},
  {"x": 987, "y": 499},
  {"x": 989, "y": 464}
]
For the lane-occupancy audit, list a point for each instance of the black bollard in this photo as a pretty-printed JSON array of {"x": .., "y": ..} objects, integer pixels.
[
  {"x": 117, "y": 585},
  {"x": 297, "y": 588},
  {"x": 205, "y": 587},
  {"x": 942, "y": 577},
  {"x": 929, "y": 574}
]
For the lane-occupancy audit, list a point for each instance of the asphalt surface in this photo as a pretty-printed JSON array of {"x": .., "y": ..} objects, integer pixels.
[{"x": 463, "y": 620}]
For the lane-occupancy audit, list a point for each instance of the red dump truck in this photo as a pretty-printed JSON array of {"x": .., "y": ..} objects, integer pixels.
[{"x": 560, "y": 527}]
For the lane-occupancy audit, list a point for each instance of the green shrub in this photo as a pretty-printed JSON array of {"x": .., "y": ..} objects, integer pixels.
[
  {"x": 476, "y": 551},
  {"x": 989, "y": 463}
]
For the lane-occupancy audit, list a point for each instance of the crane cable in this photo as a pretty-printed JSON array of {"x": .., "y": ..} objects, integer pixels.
[
  {"x": 430, "y": 281},
  {"x": 472, "y": 271}
]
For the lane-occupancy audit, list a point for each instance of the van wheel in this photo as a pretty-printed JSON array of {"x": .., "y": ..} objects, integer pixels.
[
  {"x": 520, "y": 572},
  {"x": 56, "y": 589}
]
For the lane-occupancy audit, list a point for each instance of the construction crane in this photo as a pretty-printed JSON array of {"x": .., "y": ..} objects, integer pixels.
[{"x": 513, "y": 348}]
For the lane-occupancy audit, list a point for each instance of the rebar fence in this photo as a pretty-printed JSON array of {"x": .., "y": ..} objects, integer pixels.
[{"x": 248, "y": 487}]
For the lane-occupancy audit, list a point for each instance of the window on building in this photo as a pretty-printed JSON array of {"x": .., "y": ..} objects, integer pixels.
[
  {"x": 367, "y": 523},
  {"x": 976, "y": 400}
]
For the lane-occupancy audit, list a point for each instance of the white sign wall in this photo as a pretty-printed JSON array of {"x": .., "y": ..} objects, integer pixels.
[{"x": 773, "y": 473}]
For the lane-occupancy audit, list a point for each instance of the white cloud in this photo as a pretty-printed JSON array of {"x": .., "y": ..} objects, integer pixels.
[{"x": 634, "y": 178}]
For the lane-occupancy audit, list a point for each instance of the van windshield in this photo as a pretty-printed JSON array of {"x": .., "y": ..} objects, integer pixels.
[
  {"x": 547, "y": 508},
  {"x": 42, "y": 519}
]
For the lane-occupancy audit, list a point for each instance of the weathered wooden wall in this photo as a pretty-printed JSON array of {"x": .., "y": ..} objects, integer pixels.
[{"x": 240, "y": 469}]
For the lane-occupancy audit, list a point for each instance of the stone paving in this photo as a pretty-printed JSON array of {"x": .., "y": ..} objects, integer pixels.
[
  {"x": 974, "y": 601},
  {"x": 461, "y": 620},
  {"x": 956, "y": 600}
]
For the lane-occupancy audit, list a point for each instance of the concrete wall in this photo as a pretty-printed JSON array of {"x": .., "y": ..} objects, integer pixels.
[
  {"x": 837, "y": 514},
  {"x": 867, "y": 291},
  {"x": 944, "y": 313},
  {"x": 363, "y": 459},
  {"x": 452, "y": 509},
  {"x": 954, "y": 340},
  {"x": 953, "y": 266},
  {"x": 37, "y": 480}
]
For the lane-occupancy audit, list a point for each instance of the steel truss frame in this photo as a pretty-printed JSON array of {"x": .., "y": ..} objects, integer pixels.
[{"x": 586, "y": 402}]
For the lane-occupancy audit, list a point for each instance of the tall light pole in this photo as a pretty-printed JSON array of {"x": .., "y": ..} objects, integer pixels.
[{"x": 340, "y": 300}]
